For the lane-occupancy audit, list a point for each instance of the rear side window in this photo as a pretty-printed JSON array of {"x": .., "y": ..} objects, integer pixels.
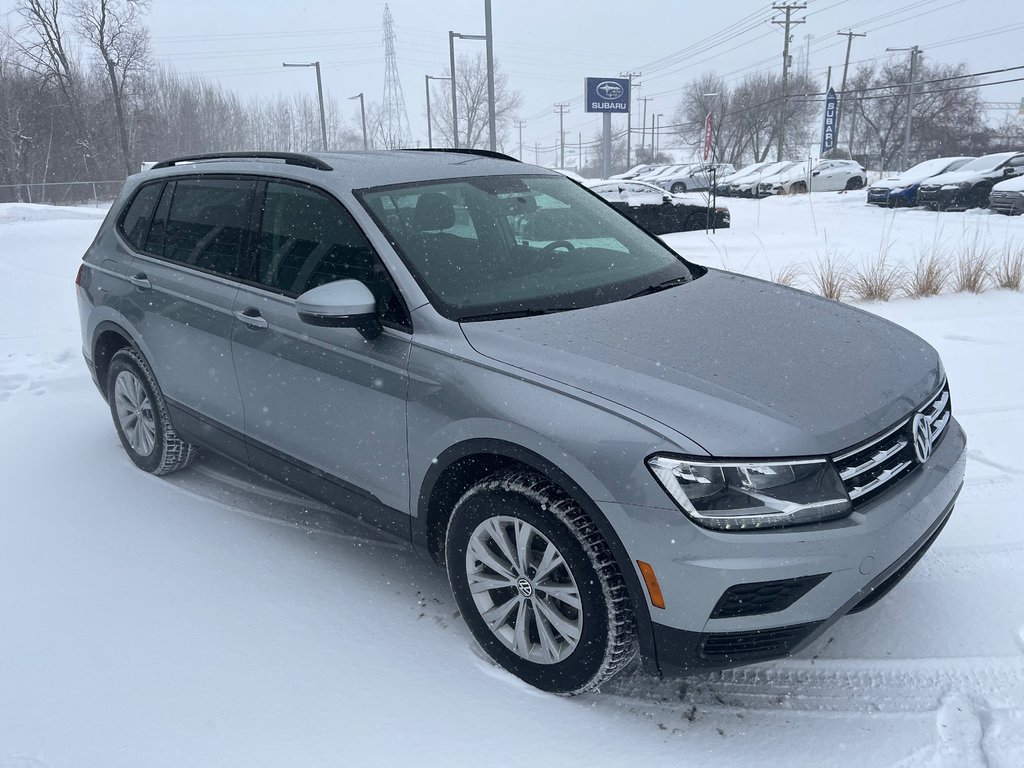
[
  {"x": 135, "y": 220},
  {"x": 205, "y": 224}
]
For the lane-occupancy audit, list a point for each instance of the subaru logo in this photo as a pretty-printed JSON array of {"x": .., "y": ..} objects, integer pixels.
[
  {"x": 922, "y": 433},
  {"x": 609, "y": 90}
]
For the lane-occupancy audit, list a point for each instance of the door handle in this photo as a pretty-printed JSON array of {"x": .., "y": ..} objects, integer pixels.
[
  {"x": 252, "y": 318},
  {"x": 139, "y": 280}
]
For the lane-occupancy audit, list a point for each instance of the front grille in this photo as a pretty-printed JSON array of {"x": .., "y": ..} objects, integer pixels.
[
  {"x": 873, "y": 467},
  {"x": 763, "y": 596},
  {"x": 754, "y": 644},
  {"x": 1005, "y": 202}
]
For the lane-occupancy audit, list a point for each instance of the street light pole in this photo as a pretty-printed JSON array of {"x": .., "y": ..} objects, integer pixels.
[
  {"x": 362, "y": 112},
  {"x": 451, "y": 56},
  {"x": 426, "y": 83},
  {"x": 493, "y": 131},
  {"x": 320, "y": 96}
]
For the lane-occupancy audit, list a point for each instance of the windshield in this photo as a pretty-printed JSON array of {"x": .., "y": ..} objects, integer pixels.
[
  {"x": 925, "y": 169},
  {"x": 986, "y": 163},
  {"x": 501, "y": 246}
]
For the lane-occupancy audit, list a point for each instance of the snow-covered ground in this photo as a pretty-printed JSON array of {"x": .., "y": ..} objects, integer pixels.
[{"x": 213, "y": 619}]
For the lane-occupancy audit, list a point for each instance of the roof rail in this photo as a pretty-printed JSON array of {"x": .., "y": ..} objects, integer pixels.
[
  {"x": 461, "y": 151},
  {"x": 289, "y": 158}
]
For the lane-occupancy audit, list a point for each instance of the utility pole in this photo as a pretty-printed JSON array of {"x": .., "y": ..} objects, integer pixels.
[
  {"x": 493, "y": 129},
  {"x": 914, "y": 53},
  {"x": 643, "y": 122},
  {"x": 849, "y": 35},
  {"x": 629, "y": 114},
  {"x": 579, "y": 152},
  {"x": 536, "y": 153},
  {"x": 521, "y": 139},
  {"x": 789, "y": 22},
  {"x": 561, "y": 109},
  {"x": 657, "y": 131}
]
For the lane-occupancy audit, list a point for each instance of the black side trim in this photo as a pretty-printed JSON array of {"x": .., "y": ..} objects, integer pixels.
[
  {"x": 289, "y": 158},
  {"x": 299, "y": 476},
  {"x": 500, "y": 448},
  {"x": 753, "y": 599}
]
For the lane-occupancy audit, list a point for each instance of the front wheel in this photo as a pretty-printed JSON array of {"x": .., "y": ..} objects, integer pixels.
[
  {"x": 677, "y": 188},
  {"x": 140, "y": 416},
  {"x": 537, "y": 584},
  {"x": 857, "y": 182}
]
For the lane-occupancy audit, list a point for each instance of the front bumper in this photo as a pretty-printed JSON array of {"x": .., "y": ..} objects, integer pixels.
[
  {"x": 839, "y": 565},
  {"x": 940, "y": 199},
  {"x": 1009, "y": 203},
  {"x": 878, "y": 195}
]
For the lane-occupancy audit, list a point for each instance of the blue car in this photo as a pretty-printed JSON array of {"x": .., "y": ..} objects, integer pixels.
[{"x": 901, "y": 191}]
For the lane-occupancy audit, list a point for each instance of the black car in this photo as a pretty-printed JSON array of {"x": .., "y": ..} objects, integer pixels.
[{"x": 971, "y": 184}]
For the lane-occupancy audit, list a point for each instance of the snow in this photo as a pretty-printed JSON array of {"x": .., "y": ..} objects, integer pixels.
[{"x": 212, "y": 618}]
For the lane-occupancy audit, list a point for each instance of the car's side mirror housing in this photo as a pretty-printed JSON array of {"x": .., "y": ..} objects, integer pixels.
[
  {"x": 343, "y": 304},
  {"x": 1009, "y": 172}
]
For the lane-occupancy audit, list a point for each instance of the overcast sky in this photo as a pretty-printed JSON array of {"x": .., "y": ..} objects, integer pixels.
[{"x": 547, "y": 48}]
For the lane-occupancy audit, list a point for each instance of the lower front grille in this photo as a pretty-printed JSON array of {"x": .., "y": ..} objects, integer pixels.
[
  {"x": 754, "y": 644},
  {"x": 875, "y": 466},
  {"x": 763, "y": 596}
]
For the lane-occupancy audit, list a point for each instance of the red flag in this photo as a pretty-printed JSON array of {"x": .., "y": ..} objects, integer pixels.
[{"x": 708, "y": 133}]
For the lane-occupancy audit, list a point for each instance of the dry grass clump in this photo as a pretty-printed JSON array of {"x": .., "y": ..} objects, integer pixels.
[
  {"x": 877, "y": 281},
  {"x": 928, "y": 276},
  {"x": 970, "y": 271},
  {"x": 829, "y": 278},
  {"x": 788, "y": 275},
  {"x": 1008, "y": 272}
]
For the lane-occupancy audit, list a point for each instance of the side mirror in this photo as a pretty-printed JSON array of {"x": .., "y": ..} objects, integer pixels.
[
  {"x": 344, "y": 304},
  {"x": 1009, "y": 172},
  {"x": 815, "y": 173}
]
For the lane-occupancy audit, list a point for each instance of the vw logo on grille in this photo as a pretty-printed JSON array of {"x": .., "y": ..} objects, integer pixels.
[
  {"x": 525, "y": 587},
  {"x": 922, "y": 432}
]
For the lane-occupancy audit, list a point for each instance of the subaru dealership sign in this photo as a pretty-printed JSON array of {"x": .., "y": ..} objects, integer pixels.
[
  {"x": 607, "y": 94},
  {"x": 830, "y": 125}
]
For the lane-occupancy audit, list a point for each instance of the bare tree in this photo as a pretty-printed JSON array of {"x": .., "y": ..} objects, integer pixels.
[
  {"x": 114, "y": 29},
  {"x": 471, "y": 100}
]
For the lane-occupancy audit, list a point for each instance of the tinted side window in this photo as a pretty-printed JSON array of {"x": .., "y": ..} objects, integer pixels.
[
  {"x": 135, "y": 220},
  {"x": 307, "y": 239},
  {"x": 206, "y": 223}
]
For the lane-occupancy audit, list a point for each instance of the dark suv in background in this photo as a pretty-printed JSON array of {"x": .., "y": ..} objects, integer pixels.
[
  {"x": 610, "y": 449},
  {"x": 969, "y": 185}
]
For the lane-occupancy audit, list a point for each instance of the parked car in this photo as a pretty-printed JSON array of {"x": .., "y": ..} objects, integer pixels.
[
  {"x": 901, "y": 190},
  {"x": 747, "y": 187},
  {"x": 825, "y": 176},
  {"x": 635, "y": 171},
  {"x": 694, "y": 178},
  {"x": 652, "y": 175},
  {"x": 723, "y": 183},
  {"x": 482, "y": 357},
  {"x": 969, "y": 186},
  {"x": 660, "y": 212},
  {"x": 1008, "y": 197}
]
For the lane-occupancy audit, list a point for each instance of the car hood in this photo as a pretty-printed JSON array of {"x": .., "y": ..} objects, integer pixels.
[
  {"x": 955, "y": 177},
  {"x": 1010, "y": 185},
  {"x": 739, "y": 366}
]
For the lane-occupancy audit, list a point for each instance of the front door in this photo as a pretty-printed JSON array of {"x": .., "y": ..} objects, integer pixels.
[{"x": 325, "y": 408}]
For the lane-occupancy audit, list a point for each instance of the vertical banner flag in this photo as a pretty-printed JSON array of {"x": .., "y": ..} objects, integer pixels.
[
  {"x": 828, "y": 128},
  {"x": 708, "y": 133}
]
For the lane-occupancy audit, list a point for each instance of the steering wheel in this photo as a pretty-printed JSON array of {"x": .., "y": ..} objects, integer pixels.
[{"x": 558, "y": 244}]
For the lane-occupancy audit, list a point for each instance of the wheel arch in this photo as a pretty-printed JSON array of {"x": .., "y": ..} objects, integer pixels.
[
  {"x": 461, "y": 465},
  {"x": 107, "y": 339}
]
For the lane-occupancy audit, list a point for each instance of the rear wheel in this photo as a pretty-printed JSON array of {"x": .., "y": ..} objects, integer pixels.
[
  {"x": 538, "y": 585},
  {"x": 798, "y": 188},
  {"x": 678, "y": 187},
  {"x": 140, "y": 416},
  {"x": 857, "y": 182}
]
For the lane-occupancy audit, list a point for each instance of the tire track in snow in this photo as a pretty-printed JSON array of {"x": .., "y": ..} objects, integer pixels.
[{"x": 839, "y": 685}]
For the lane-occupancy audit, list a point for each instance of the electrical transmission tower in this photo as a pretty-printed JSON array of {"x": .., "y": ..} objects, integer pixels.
[{"x": 394, "y": 127}]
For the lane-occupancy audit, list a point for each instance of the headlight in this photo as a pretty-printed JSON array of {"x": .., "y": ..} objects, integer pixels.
[
  {"x": 734, "y": 496},
  {"x": 951, "y": 186}
]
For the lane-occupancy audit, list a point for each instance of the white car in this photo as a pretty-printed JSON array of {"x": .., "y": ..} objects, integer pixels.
[
  {"x": 661, "y": 170},
  {"x": 826, "y": 176},
  {"x": 747, "y": 187},
  {"x": 631, "y": 191},
  {"x": 723, "y": 182},
  {"x": 695, "y": 177},
  {"x": 636, "y": 170}
]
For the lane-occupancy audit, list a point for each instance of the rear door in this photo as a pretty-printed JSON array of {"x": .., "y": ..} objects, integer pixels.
[
  {"x": 322, "y": 405},
  {"x": 185, "y": 277}
]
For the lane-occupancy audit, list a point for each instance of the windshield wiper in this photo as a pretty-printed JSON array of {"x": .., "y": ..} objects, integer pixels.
[
  {"x": 512, "y": 313},
  {"x": 664, "y": 284}
]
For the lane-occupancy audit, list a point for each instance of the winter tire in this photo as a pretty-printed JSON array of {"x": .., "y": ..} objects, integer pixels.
[
  {"x": 537, "y": 584},
  {"x": 857, "y": 182},
  {"x": 798, "y": 188},
  {"x": 140, "y": 416}
]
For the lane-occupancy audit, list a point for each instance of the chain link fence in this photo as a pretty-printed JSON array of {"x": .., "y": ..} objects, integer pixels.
[{"x": 62, "y": 192}]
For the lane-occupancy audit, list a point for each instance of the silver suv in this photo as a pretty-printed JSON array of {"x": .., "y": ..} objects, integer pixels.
[{"x": 610, "y": 449}]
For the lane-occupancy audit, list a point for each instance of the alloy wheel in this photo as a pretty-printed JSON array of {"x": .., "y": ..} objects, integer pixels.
[{"x": 135, "y": 413}]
